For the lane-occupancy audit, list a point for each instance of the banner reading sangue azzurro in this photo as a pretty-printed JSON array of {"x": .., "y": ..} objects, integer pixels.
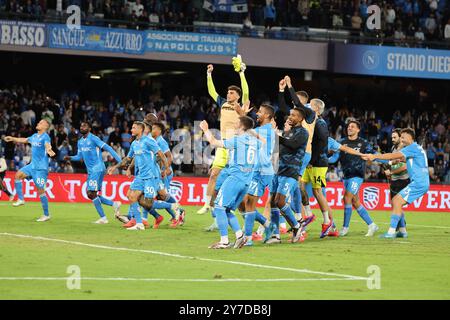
[
  {"x": 96, "y": 39},
  {"x": 389, "y": 61},
  {"x": 194, "y": 43}
]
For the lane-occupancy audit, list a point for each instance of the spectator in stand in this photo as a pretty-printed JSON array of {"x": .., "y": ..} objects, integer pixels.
[
  {"x": 269, "y": 15},
  {"x": 431, "y": 154},
  {"x": 115, "y": 137},
  {"x": 431, "y": 27},
  {"x": 447, "y": 31},
  {"x": 126, "y": 139},
  {"x": 356, "y": 24}
]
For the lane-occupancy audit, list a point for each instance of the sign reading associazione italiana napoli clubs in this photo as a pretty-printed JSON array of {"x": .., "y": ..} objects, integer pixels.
[
  {"x": 20, "y": 33},
  {"x": 389, "y": 61},
  {"x": 196, "y": 43}
]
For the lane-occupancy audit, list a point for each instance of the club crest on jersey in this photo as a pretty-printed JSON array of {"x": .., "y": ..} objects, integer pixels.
[
  {"x": 371, "y": 197},
  {"x": 176, "y": 190}
]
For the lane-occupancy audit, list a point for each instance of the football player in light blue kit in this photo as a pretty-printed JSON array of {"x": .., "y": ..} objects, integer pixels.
[
  {"x": 157, "y": 130},
  {"x": 143, "y": 149},
  {"x": 417, "y": 166},
  {"x": 90, "y": 151},
  {"x": 263, "y": 171},
  {"x": 243, "y": 153},
  {"x": 41, "y": 148}
]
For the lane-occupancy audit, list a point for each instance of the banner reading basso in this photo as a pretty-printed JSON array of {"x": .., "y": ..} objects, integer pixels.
[
  {"x": 192, "y": 191},
  {"x": 20, "y": 33}
]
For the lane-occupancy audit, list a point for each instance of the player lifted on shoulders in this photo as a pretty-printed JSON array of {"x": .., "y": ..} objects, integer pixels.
[
  {"x": 417, "y": 166},
  {"x": 41, "y": 148},
  {"x": 230, "y": 111},
  {"x": 354, "y": 169},
  {"x": 243, "y": 153},
  {"x": 89, "y": 151}
]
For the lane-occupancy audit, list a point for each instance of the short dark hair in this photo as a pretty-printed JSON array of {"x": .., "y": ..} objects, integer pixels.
[
  {"x": 270, "y": 110},
  {"x": 237, "y": 89},
  {"x": 397, "y": 131},
  {"x": 299, "y": 111},
  {"x": 151, "y": 118},
  {"x": 160, "y": 126},
  {"x": 358, "y": 124},
  {"x": 247, "y": 122},
  {"x": 303, "y": 94},
  {"x": 147, "y": 123},
  {"x": 410, "y": 131},
  {"x": 140, "y": 124}
]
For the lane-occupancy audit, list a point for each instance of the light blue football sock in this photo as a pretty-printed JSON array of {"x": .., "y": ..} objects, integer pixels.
[
  {"x": 18, "y": 186},
  {"x": 105, "y": 201},
  {"x": 44, "y": 202},
  {"x": 233, "y": 221},
  {"x": 98, "y": 206},
  {"x": 222, "y": 220},
  {"x": 275, "y": 219},
  {"x": 365, "y": 215},
  {"x": 249, "y": 223},
  {"x": 348, "y": 208},
  {"x": 289, "y": 215},
  {"x": 394, "y": 221}
]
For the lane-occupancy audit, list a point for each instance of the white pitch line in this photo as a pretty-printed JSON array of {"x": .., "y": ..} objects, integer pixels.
[
  {"x": 170, "y": 280},
  {"x": 254, "y": 265}
]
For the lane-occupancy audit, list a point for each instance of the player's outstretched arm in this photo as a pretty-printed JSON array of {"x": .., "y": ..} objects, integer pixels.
[
  {"x": 209, "y": 136},
  {"x": 15, "y": 140},
  {"x": 244, "y": 86},
  {"x": 281, "y": 99},
  {"x": 48, "y": 149},
  {"x": 310, "y": 115},
  {"x": 111, "y": 151},
  {"x": 125, "y": 162},
  {"x": 385, "y": 156},
  {"x": 209, "y": 80},
  {"x": 350, "y": 151}
]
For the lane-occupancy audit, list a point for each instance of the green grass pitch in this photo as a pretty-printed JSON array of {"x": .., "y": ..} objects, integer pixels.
[{"x": 177, "y": 264}]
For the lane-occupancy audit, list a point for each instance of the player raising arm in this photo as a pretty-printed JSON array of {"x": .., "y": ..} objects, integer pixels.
[
  {"x": 38, "y": 168},
  {"x": 89, "y": 150},
  {"x": 417, "y": 166},
  {"x": 230, "y": 111}
]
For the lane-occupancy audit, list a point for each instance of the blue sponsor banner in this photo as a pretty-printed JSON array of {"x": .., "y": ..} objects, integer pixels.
[
  {"x": 20, "y": 33},
  {"x": 194, "y": 43},
  {"x": 96, "y": 39},
  {"x": 389, "y": 61}
]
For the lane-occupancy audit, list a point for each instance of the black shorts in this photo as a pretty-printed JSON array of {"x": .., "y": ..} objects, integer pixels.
[
  {"x": 398, "y": 185},
  {"x": 2, "y": 175}
]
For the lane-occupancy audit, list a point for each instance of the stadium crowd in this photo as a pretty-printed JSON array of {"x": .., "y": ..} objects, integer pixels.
[
  {"x": 401, "y": 20},
  {"x": 22, "y": 107}
]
